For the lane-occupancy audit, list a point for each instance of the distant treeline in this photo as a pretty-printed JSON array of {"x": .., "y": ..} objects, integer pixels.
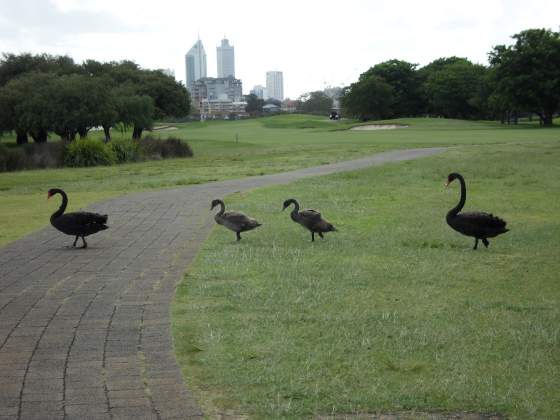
[
  {"x": 42, "y": 94},
  {"x": 521, "y": 79}
]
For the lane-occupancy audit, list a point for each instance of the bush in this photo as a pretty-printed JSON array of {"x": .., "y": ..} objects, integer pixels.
[
  {"x": 86, "y": 152},
  {"x": 172, "y": 147},
  {"x": 31, "y": 156},
  {"x": 124, "y": 150}
]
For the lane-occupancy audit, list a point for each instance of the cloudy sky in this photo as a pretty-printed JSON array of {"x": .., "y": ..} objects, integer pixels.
[{"x": 315, "y": 43}]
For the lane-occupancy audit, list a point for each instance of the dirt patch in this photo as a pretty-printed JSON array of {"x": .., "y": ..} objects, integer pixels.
[
  {"x": 164, "y": 128},
  {"x": 416, "y": 415},
  {"x": 377, "y": 127}
]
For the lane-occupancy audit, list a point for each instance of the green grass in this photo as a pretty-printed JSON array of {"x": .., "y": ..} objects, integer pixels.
[
  {"x": 394, "y": 312},
  {"x": 235, "y": 149}
]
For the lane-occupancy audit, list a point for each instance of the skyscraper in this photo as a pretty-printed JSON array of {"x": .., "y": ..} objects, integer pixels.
[
  {"x": 195, "y": 63},
  {"x": 275, "y": 85},
  {"x": 226, "y": 59}
]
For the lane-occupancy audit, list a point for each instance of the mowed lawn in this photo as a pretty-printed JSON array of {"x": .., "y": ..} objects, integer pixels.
[
  {"x": 394, "y": 312},
  {"x": 234, "y": 149}
]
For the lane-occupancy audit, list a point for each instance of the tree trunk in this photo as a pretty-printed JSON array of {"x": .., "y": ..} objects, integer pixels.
[
  {"x": 83, "y": 132},
  {"x": 39, "y": 136},
  {"x": 547, "y": 118},
  {"x": 137, "y": 133},
  {"x": 21, "y": 137},
  {"x": 107, "y": 131}
]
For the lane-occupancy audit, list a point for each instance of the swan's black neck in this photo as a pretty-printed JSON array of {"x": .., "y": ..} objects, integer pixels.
[
  {"x": 62, "y": 207},
  {"x": 295, "y": 211},
  {"x": 455, "y": 210},
  {"x": 222, "y": 208}
]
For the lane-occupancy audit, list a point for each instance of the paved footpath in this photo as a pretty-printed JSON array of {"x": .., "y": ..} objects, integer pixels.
[{"x": 85, "y": 334}]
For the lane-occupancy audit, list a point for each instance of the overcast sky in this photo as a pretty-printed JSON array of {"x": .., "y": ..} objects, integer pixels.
[{"x": 315, "y": 43}]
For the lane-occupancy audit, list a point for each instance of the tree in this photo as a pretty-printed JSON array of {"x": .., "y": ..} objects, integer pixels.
[
  {"x": 455, "y": 88},
  {"x": 405, "y": 83},
  {"x": 136, "y": 111},
  {"x": 369, "y": 98},
  {"x": 24, "y": 105},
  {"x": 12, "y": 65},
  {"x": 527, "y": 74},
  {"x": 254, "y": 104},
  {"x": 171, "y": 99},
  {"x": 315, "y": 102}
]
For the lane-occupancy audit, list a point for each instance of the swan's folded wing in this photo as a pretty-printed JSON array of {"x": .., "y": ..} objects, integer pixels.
[
  {"x": 311, "y": 214},
  {"x": 239, "y": 219},
  {"x": 484, "y": 220},
  {"x": 84, "y": 218}
]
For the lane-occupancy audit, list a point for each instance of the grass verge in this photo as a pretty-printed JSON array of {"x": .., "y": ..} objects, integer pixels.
[{"x": 393, "y": 312}]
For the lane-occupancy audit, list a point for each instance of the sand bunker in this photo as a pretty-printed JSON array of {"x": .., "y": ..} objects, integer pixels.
[{"x": 378, "y": 127}]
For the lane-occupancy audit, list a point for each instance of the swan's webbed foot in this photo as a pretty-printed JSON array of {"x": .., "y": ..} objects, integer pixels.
[
  {"x": 485, "y": 242},
  {"x": 312, "y": 236},
  {"x": 75, "y": 240},
  {"x": 238, "y": 235},
  {"x": 321, "y": 235},
  {"x": 475, "y": 244},
  {"x": 84, "y": 241}
]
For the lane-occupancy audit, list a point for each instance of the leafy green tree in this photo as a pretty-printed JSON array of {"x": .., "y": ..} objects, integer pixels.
[
  {"x": 405, "y": 83},
  {"x": 369, "y": 98},
  {"x": 455, "y": 88},
  {"x": 254, "y": 104},
  {"x": 24, "y": 105},
  {"x": 315, "y": 103},
  {"x": 14, "y": 65},
  {"x": 171, "y": 99},
  {"x": 136, "y": 111},
  {"x": 527, "y": 74}
]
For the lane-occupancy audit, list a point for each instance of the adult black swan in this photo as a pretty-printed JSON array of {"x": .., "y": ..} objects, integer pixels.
[
  {"x": 79, "y": 224},
  {"x": 235, "y": 221},
  {"x": 310, "y": 219},
  {"x": 479, "y": 225}
]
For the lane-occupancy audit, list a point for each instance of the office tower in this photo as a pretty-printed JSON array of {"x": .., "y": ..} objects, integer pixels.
[
  {"x": 195, "y": 63},
  {"x": 259, "y": 91},
  {"x": 226, "y": 59},
  {"x": 275, "y": 85}
]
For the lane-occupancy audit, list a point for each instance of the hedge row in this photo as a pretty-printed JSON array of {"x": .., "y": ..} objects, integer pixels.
[{"x": 89, "y": 152}]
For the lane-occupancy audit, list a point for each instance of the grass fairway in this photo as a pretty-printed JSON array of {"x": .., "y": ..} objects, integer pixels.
[
  {"x": 235, "y": 149},
  {"x": 394, "y": 312}
]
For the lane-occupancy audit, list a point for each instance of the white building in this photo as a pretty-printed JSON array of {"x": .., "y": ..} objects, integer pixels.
[
  {"x": 226, "y": 59},
  {"x": 259, "y": 91},
  {"x": 275, "y": 85},
  {"x": 195, "y": 64}
]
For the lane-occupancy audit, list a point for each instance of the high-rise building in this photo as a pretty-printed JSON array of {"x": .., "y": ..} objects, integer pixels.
[
  {"x": 275, "y": 85},
  {"x": 195, "y": 63},
  {"x": 259, "y": 91},
  {"x": 226, "y": 59}
]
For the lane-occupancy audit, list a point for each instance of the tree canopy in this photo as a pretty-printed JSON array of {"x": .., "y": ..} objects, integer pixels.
[{"x": 43, "y": 93}]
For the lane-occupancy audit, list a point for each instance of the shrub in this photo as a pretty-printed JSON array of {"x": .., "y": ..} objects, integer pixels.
[
  {"x": 124, "y": 150},
  {"x": 86, "y": 152},
  {"x": 31, "y": 156},
  {"x": 172, "y": 147}
]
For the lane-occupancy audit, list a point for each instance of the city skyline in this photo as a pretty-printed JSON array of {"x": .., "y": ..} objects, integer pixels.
[{"x": 326, "y": 44}]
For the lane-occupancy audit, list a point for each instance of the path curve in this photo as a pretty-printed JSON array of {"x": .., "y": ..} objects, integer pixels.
[{"x": 85, "y": 334}]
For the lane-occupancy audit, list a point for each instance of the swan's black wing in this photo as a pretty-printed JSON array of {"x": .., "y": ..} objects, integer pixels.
[
  {"x": 239, "y": 221},
  {"x": 81, "y": 223},
  {"x": 481, "y": 224}
]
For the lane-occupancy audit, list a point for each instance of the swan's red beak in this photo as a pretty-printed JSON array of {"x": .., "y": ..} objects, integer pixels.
[
  {"x": 49, "y": 195},
  {"x": 447, "y": 184}
]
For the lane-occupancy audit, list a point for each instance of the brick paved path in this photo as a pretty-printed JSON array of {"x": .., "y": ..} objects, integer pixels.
[{"x": 85, "y": 334}]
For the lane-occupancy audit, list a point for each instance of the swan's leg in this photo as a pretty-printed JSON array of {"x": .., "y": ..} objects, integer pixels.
[
  {"x": 312, "y": 236},
  {"x": 238, "y": 236},
  {"x": 475, "y": 243},
  {"x": 84, "y": 241},
  {"x": 75, "y": 240},
  {"x": 321, "y": 235},
  {"x": 485, "y": 242}
]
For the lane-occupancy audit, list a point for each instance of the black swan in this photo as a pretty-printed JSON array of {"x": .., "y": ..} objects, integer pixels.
[
  {"x": 479, "y": 225},
  {"x": 79, "y": 224},
  {"x": 238, "y": 222},
  {"x": 310, "y": 219}
]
